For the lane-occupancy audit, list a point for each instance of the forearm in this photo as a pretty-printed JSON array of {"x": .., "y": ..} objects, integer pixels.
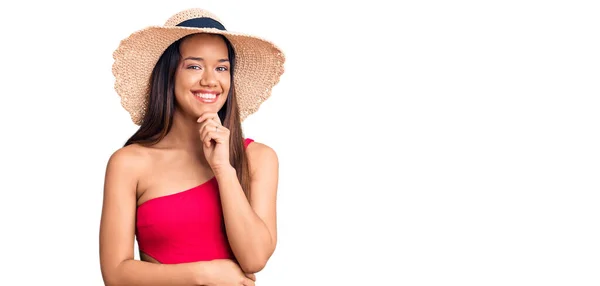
[
  {"x": 135, "y": 272},
  {"x": 248, "y": 235}
]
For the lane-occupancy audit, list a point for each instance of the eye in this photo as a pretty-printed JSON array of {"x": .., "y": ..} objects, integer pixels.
[
  {"x": 222, "y": 69},
  {"x": 194, "y": 67}
]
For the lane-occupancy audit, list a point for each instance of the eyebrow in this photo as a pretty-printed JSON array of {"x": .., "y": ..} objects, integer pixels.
[{"x": 201, "y": 59}]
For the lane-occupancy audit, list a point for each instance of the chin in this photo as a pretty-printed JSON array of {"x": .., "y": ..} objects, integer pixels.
[{"x": 213, "y": 108}]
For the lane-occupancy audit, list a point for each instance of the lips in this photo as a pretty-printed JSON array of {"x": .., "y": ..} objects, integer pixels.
[{"x": 206, "y": 96}]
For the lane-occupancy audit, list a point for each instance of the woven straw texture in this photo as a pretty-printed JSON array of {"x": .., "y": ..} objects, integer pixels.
[{"x": 259, "y": 63}]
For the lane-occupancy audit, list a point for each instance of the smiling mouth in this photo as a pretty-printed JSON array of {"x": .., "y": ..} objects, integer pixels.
[{"x": 206, "y": 97}]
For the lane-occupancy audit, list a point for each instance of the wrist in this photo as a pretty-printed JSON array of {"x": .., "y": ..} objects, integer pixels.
[
  {"x": 201, "y": 273},
  {"x": 224, "y": 171}
]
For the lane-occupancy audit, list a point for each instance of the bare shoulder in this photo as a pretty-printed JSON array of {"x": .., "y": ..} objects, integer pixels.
[
  {"x": 128, "y": 161},
  {"x": 131, "y": 156},
  {"x": 261, "y": 156},
  {"x": 259, "y": 150}
]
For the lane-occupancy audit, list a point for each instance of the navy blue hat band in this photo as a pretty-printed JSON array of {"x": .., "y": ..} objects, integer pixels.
[{"x": 202, "y": 23}]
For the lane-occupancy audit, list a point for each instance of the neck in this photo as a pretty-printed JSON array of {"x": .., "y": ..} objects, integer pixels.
[{"x": 184, "y": 134}]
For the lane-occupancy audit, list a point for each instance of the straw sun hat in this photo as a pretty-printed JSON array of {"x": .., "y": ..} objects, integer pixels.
[{"x": 259, "y": 63}]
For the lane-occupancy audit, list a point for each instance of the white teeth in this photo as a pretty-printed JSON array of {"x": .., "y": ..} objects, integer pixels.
[{"x": 206, "y": 95}]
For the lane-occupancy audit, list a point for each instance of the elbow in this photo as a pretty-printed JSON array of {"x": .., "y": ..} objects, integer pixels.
[
  {"x": 255, "y": 261},
  {"x": 110, "y": 275},
  {"x": 253, "y": 265},
  {"x": 108, "y": 282},
  {"x": 111, "y": 279}
]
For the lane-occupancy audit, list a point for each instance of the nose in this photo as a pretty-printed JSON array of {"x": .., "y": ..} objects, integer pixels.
[{"x": 208, "y": 78}]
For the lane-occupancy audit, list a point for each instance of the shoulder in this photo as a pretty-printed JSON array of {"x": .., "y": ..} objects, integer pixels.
[
  {"x": 261, "y": 155},
  {"x": 128, "y": 159},
  {"x": 258, "y": 149}
]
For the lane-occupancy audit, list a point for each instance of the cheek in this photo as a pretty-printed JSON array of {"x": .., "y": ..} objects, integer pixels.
[
  {"x": 226, "y": 82},
  {"x": 186, "y": 81},
  {"x": 183, "y": 83}
]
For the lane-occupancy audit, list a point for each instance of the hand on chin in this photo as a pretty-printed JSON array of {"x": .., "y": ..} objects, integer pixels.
[{"x": 215, "y": 140}]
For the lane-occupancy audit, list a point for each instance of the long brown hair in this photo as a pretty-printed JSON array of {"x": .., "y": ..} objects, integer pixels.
[{"x": 158, "y": 118}]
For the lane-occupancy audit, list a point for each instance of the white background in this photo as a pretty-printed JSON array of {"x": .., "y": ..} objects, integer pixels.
[{"x": 426, "y": 143}]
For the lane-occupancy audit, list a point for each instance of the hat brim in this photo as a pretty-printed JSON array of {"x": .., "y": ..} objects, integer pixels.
[{"x": 259, "y": 66}]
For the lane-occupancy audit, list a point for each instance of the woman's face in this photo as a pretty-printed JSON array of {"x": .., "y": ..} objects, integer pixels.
[{"x": 202, "y": 79}]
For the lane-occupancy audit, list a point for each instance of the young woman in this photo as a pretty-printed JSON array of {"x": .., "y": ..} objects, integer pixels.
[{"x": 199, "y": 197}]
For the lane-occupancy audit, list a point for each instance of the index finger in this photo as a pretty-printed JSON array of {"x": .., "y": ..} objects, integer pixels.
[{"x": 210, "y": 115}]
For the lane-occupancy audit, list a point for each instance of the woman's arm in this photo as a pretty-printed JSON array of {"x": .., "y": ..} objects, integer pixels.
[
  {"x": 117, "y": 230},
  {"x": 251, "y": 226}
]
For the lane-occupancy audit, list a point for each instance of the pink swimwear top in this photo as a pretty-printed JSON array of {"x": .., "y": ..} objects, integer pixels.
[{"x": 184, "y": 227}]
